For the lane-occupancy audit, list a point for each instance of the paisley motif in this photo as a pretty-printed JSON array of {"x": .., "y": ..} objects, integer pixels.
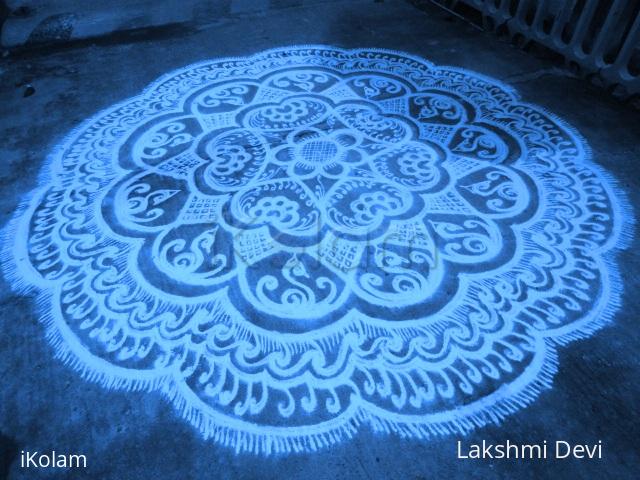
[
  {"x": 302, "y": 80},
  {"x": 437, "y": 108},
  {"x": 361, "y": 206},
  {"x": 233, "y": 159},
  {"x": 376, "y": 87},
  {"x": 495, "y": 191},
  {"x": 147, "y": 202},
  {"x": 379, "y": 127},
  {"x": 480, "y": 143},
  {"x": 160, "y": 140},
  {"x": 223, "y": 98},
  {"x": 416, "y": 166},
  {"x": 289, "y": 113},
  {"x": 310, "y": 241},
  {"x": 197, "y": 254},
  {"x": 286, "y": 206},
  {"x": 295, "y": 282}
]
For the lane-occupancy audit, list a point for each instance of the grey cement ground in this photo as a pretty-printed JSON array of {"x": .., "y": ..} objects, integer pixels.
[{"x": 44, "y": 404}]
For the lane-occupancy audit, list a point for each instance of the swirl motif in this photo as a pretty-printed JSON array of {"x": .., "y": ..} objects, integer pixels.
[{"x": 308, "y": 240}]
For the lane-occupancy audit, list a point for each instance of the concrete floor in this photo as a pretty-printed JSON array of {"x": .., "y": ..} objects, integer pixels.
[{"x": 139, "y": 436}]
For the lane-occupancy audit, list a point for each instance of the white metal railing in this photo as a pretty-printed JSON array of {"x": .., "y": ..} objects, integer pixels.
[{"x": 600, "y": 36}]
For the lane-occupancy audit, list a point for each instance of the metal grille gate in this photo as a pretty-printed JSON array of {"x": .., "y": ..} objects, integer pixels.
[{"x": 599, "y": 36}]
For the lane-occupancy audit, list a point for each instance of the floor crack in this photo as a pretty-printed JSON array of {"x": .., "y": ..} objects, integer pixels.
[{"x": 538, "y": 74}]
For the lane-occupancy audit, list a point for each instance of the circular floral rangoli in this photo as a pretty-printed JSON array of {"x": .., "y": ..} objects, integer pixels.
[{"x": 295, "y": 244}]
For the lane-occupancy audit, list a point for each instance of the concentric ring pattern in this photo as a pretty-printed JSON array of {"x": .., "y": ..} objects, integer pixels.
[{"x": 293, "y": 245}]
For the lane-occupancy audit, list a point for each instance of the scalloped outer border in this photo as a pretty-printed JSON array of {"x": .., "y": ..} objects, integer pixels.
[{"x": 244, "y": 436}]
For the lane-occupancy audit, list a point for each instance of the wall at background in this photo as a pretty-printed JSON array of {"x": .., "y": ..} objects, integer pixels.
[
  {"x": 32, "y": 22},
  {"x": 598, "y": 39},
  {"x": 580, "y": 44}
]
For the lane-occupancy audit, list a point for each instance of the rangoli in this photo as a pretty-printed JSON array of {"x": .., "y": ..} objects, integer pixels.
[{"x": 309, "y": 241}]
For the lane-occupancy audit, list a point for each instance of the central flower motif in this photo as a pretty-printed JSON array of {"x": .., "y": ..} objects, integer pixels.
[
  {"x": 311, "y": 152},
  {"x": 317, "y": 194}
]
